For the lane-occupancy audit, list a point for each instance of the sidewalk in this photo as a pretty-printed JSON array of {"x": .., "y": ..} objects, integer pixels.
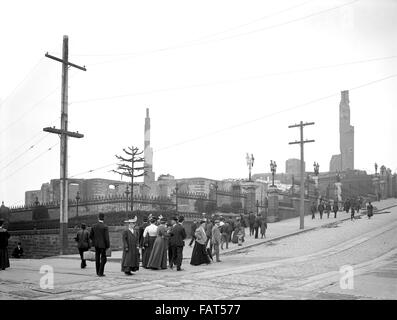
[{"x": 275, "y": 231}]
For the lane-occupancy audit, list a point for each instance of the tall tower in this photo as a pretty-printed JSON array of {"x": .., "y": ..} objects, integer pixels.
[
  {"x": 346, "y": 133},
  {"x": 148, "y": 152}
]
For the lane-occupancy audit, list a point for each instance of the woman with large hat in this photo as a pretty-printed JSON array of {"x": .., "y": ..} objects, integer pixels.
[
  {"x": 149, "y": 236},
  {"x": 158, "y": 256},
  {"x": 130, "y": 237}
]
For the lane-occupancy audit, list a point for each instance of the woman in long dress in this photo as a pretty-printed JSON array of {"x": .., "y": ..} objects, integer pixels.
[
  {"x": 199, "y": 254},
  {"x": 158, "y": 256},
  {"x": 149, "y": 236},
  {"x": 130, "y": 259}
]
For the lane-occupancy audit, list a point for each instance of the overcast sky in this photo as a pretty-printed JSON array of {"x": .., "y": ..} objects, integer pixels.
[{"x": 221, "y": 78}]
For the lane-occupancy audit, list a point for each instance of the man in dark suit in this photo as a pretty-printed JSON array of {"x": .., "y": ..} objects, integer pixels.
[
  {"x": 100, "y": 238},
  {"x": 177, "y": 237}
]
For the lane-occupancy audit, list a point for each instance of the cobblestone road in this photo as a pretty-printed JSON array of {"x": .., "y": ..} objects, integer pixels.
[{"x": 304, "y": 266}]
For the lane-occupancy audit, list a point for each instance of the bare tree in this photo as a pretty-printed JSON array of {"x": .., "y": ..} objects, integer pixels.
[{"x": 127, "y": 167}]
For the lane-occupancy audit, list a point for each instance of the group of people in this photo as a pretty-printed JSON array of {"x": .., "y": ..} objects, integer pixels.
[{"x": 352, "y": 205}]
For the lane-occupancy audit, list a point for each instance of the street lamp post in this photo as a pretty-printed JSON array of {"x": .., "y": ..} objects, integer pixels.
[
  {"x": 77, "y": 203},
  {"x": 273, "y": 167},
  {"x": 250, "y": 164},
  {"x": 127, "y": 192}
]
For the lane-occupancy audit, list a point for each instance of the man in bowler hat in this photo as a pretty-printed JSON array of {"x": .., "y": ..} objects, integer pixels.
[{"x": 100, "y": 238}]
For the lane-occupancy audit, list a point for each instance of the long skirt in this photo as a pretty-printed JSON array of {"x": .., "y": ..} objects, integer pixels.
[
  {"x": 148, "y": 251},
  {"x": 199, "y": 255},
  {"x": 158, "y": 256},
  {"x": 4, "y": 261}
]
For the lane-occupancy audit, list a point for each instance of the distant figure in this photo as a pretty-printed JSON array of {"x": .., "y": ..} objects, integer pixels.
[
  {"x": 177, "y": 242},
  {"x": 83, "y": 243},
  {"x": 321, "y": 209},
  {"x": 370, "y": 210},
  {"x": 208, "y": 232},
  {"x": 328, "y": 209},
  {"x": 263, "y": 227},
  {"x": 257, "y": 224},
  {"x": 216, "y": 239},
  {"x": 4, "y": 236},
  {"x": 130, "y": 258},
  {"x": 224, "y": 228},
  {"x": 199, "y": 254},
  {"x": 239, "y": 232},
  {"x": 99, "y": 236},
  {"x": 251, "y": 219},
  {"x": 335, "y": 208},
  {"x": 352, "y": 213},
  {"x": 18, "y": 251},
  {"x": 313, "y": 209},
  {"x": 142, "y": 227}
]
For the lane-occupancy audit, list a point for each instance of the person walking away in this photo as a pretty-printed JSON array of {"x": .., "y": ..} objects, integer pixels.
[
  {"x": 199, "y": 253},
  {"x": 313, "y": 210},
  {"x": 224, "y": 228},
  {"x": 142, "y": 228},
  {"x": 193, "y": 228},
  {"x": 321, "y": 209},
  {"x": 216, "y": 238},
  {"x": 263, "y": 227},
  {"x": 130, "y": 257},
  {"x": 4, "y": 236},
  {"x": 149, "y": 236},
  {"x": 335, "y": 208},
  {"x": 352, "y": 213},
  {"x": 99, "y": 236},
  {"x": 177, "y": 242},
  {"x": 251, "y": 221},
  {"x": 328, "y": 209},
  {"x": 83, "y": 243},
  {"x": 158, "y": 256},
  {"x": 18, "y": 251},
  {"x": 370, "y": 210},
  {"x": 256, "y": 226}
]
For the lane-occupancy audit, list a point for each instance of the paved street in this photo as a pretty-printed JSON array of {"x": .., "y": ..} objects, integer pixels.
[{"x": 305, "y": 265}]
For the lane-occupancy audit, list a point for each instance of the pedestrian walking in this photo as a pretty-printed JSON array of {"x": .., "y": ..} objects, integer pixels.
[
  {"x": 177, "y": 242},
  {"x": 224, "y": 228},
  {"x": 313, "y": 209},
  {"x": 263, "y": 227},
  {"x": 251, "y": 221},
  {"x": 257, "y": 224},
  {"x": 370, "y": 210},
  {"x": 328, "y": 209},
  {"x": 216, "y": 239},
  {"x": 199, "y": 254},
  {"x": 208, "y": 233},
  {"x": 240, "y": 232},
  {"x": 18, "y": 251},
  {"x": 83, "y": 243},
  {"x": 193, "y": 228},
  {"x": 99, "y": 236},
  {"x": 321, "y": 209},
  {"x": 4, "y": 236},
  {"x": 149, "y": 236},
  {"x": 335, "y": 208},
  {"x": 130, "y": 257},
  {"x": 158, "y": 256},
  {"x": 352, "y": 213}
]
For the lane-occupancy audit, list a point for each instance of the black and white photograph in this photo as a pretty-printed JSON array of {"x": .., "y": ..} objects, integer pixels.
[{"x": 216, "y": 151}]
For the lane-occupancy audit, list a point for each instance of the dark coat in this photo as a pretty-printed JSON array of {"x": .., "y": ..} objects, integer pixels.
[
  {"x": 177, "y": 235},
  {"x": 83, "y": 239},
  {"x": 130, "y": 258},
  {"x": 141, "y": 230},
  {"x": 100, "y": 235},
  {"x": 4, "y": 235}
]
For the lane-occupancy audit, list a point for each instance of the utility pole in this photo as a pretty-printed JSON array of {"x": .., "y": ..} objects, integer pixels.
[
  {"x": 302, "y": 191},
  {"x": 64, "y": 134}
]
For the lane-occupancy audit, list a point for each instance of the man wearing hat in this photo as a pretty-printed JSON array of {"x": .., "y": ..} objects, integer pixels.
[
  {"x": 130, "y": 258},
  {"x": 83, "y": 243},
  {"x": 178, "y": 235},
  {"x": 216, "y": 238},
  {"x": 99, "y": 236}
]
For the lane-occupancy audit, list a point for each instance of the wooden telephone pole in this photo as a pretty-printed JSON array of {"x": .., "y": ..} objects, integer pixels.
[
  {"x": 64, "y": 134},
  {"x": 302, "y": 186}
]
